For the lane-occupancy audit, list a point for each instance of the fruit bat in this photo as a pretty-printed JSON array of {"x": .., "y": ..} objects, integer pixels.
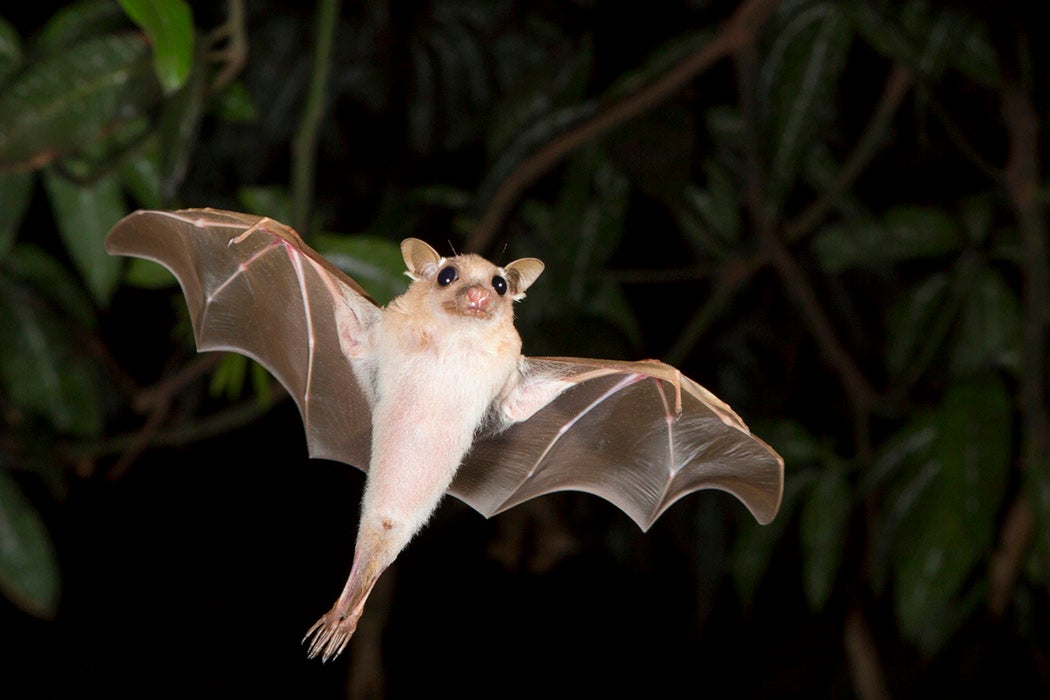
[{"x": 432, "y": 394}]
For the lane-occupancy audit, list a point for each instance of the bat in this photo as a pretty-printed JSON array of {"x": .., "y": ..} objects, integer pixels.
[{"x": 431, "y": 394}]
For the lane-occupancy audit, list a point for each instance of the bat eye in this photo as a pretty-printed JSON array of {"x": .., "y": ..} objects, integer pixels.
[
  {"x": 500, "y": 285},
  {"x": 447, "y": 276}
]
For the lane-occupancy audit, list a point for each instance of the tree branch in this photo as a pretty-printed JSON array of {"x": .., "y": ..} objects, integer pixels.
[
  {"x": 860, "y": 392},
  {"x": 304, "y": 146},
  {"x": 1021, "y": 180},
  {"x": 869, "y": 678},
  {"x": 897, "y": 86},
  {"x": 739, "y": 31}
]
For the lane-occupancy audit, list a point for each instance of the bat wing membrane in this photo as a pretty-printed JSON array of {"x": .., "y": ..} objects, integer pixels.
[
  {"x": 253, "y": 287},
  {"x": 638, "y": 434}
]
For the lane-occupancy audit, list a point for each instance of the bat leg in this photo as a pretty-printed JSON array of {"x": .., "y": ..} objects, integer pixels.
[{"x": 329, "y": 636}]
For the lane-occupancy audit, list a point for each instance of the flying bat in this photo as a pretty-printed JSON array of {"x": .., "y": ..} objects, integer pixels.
[{"x": 432, "y": 395}]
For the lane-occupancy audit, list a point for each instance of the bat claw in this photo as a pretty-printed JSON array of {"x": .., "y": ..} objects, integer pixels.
[{"x": 329, "y": 636}]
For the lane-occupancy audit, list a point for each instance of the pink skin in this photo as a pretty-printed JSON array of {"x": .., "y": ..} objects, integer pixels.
[
  {"x": 478, "y": 299},
  {"x": 332, "y": 632}
]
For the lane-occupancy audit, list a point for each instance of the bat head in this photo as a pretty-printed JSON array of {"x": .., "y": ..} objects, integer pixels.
[{"x": 469, "y": 285}]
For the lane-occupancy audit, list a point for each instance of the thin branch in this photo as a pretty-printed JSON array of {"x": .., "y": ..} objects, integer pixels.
[
  {"x": 234, "y": 55},
  {"x": 1022, "y": 184},
  {"x": 898, "y": 84},
  {"x": 1009, "y": 557},
  {"x": 304, "y": 146},
  {"x": 956, "y": 136},
  {"x": 199, "y": 429},
  {"x": 732, "y": 277},
  {"x": 862, "y": 395},
  {"x": 869, "y": 678},
  {"x": 1022, "y": 180},
  {"x": 739, "y": 31},
  {"x": 687, "y": 273},
  {"x": 165, "y": 390},
  {"x": 157, "y": 400}
]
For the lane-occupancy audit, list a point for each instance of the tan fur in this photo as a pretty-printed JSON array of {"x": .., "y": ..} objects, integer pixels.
[{"x": 441, "y": 366}]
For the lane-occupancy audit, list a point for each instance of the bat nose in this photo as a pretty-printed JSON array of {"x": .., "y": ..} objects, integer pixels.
[{"x": 478, "y": 298}]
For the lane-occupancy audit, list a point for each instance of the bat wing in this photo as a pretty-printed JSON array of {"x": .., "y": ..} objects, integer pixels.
[
  {"x": 638, "y": 434},
  {"x": 253, "y": 287}
]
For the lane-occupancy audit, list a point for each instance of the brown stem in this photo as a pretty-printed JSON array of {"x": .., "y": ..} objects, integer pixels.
[
  {"x": 1021, "y": 180},
  {"x": 731, "y": 278},
  {"x": 1008, "y": 558},
  {"x": 156, "y": 400},
  {"x": 1022, "y": 185},
  {"x": 869, "y": 678},
  {"x": 234, "y": 55},
  {"x": 739, "y": 31},
  {"x": 163, "y": 391},
  {"x": 194, "y": 431},
  {"x": 861, "y": 394},
  {"x": 898, "y": 83}
]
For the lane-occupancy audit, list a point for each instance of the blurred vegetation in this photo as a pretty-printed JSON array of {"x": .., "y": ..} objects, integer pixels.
[{"x": 830, "y": 212}]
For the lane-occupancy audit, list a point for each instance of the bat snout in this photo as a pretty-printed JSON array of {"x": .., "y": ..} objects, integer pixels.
[{"x": 477, "y": 300}]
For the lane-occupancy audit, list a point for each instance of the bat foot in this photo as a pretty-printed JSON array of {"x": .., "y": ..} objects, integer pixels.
[{"x": 329, "y": 636}]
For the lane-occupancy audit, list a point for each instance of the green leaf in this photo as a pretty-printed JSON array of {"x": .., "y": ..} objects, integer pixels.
[
  {"x": 904, "y": 233},
  {"x": 178, "y": 129},
  {"x": 977, "y": 214},
  {"x": 16, "y": 189},
  {"x": 1037, "y": 489},
  {"x": 147, "y": 274},
  {"x": 823, "y": 528},
  {"x": 822, "y": 172},
  {"x": 228, "y": 378},
  {"x": 68, "y": 100},
  {"x": 793, "y": 442},
  {"x": 917, "y": 325},
  {"x": 658, "y": 63},
  {"x": 974, "y": 56},
  {"x": 234, "y": 104},
  {"x": 141, "y": 176},
  {"x": 375, "y": 263},
  {"x": 881, "y": 31},
  {"x": 580, "y": 233},
  {"x": 710, "y": 217},
  {"x": 51, "y": 281},
  {"x": 550, "y": 86},
  {"x": 926, "y": 38},
  {"x": 797, "y": 80},
  {"x": 937, "y": 32},
  {"x": 272, "y": 201},
  {"x": 29, "y": 574},
  {"x": 43, "y": 369},
  {"x": 84, "y": 215},
  {"x": 953, "y": 526},
  {"x": 754, "y": 545},
  {"x": 10, "y": 50},
  {"x": 909, "y": 447},
  {"x": 75, "y": 22},
  {"x": 904, "y": 472},
  {"x": 169, "y": 26},
  {"x": 989, "y": 328}
]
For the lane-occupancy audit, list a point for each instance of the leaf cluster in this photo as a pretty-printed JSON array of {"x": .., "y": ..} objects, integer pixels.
[{"x": 830, "y": 212}]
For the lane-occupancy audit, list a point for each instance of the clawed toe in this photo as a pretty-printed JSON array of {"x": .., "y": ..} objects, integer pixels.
[{"x": 329, "y": 636}]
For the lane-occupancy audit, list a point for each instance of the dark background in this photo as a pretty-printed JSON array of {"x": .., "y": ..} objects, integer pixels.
[{"x": 837, "y": 224}]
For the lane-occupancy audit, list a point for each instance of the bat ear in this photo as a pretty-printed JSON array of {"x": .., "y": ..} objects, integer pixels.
[
  {"x": 522, "y": 273},
  {"x": 420, "y": 259}
]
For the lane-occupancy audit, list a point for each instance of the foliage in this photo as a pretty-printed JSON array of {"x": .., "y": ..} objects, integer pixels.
[{"x": 844, "y": 236}]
